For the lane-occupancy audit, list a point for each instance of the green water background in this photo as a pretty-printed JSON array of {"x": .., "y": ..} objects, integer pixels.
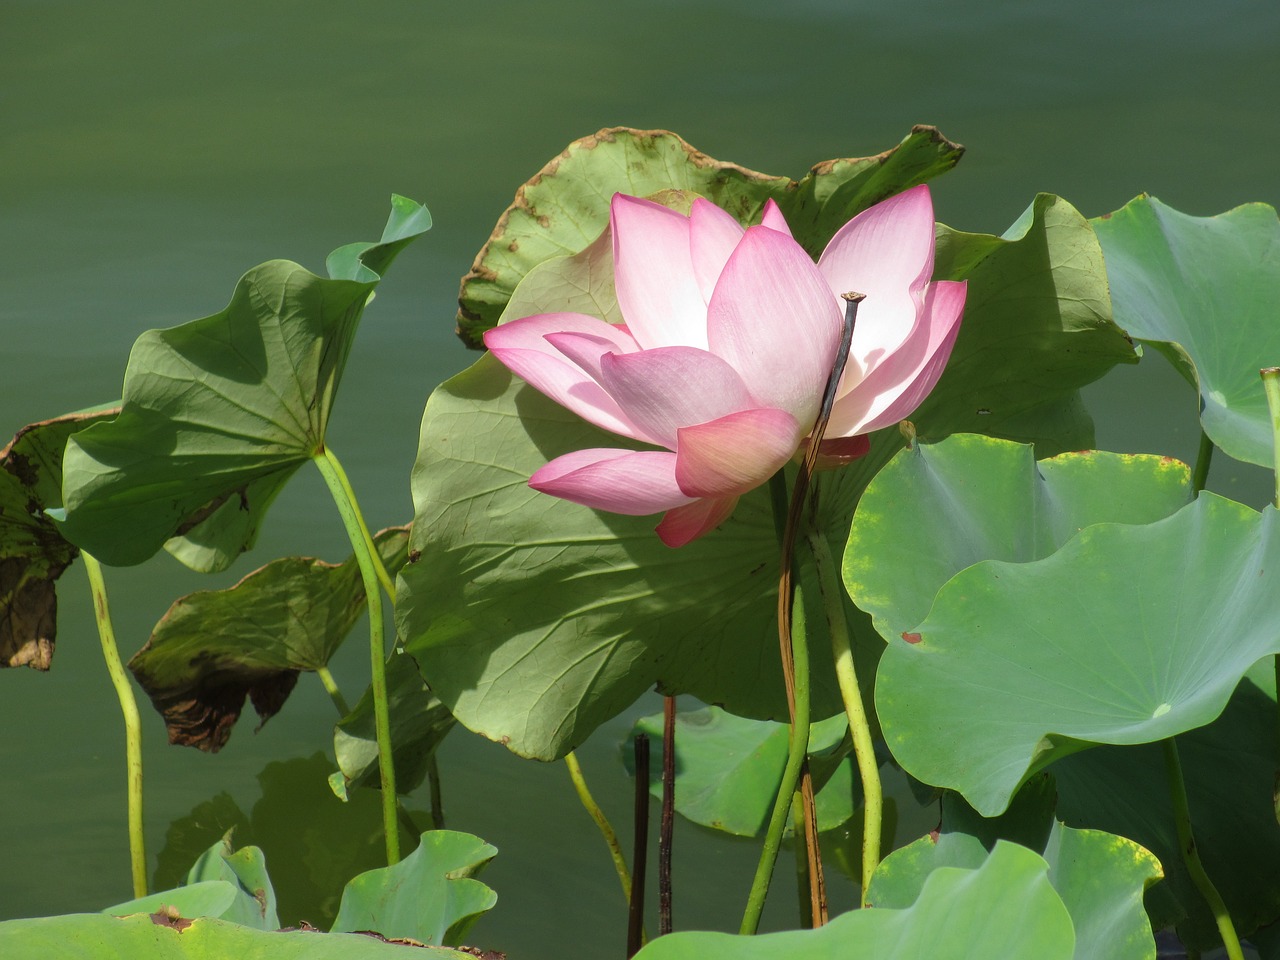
[{"x": 152, "y": 152}]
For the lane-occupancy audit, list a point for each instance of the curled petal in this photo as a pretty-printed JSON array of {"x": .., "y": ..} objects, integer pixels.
[
  {"x": 523, "y": 347},
  {"x": 773, "y": 318},
  {"x": 734, "y": 454},
  {"x": 665, "y": 389},
  {"x": 632, "y": 482},
  {"x": 894, "y": 389},
  {"x": 885, "y": 252},
  {"x": 685, "y": 524},
  {"x": 713, "y": 234},
  {"x": 654, "y": 276}
]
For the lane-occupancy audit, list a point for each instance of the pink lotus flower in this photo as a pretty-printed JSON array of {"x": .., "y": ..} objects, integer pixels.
[{"x": 729, "y": 339}]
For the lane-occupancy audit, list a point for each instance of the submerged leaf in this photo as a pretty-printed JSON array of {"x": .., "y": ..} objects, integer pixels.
[{"x": 214, "y": 648}]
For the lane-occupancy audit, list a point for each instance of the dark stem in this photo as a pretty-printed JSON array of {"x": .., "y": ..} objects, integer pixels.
[
  {"x": 639, "y": 852},
  {"x": 1203, "y": 457},
  {"x": 433, "y": 783},
  {"x": 668, "y": 813}
]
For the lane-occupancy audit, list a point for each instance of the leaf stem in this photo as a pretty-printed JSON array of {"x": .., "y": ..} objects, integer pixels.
[
  {"x": 602, "y": 822},
  {"x": 666, "y": 828},
  {"x": 1191, "y": 856},
  {"x": 379, "y": 567},
  {"x": 132, "y": 723},
  {"x": 433, "y": 787},
  {"x": 1271, "y": 386},
  {"x": 357, "y": 533},
  {"x": 640, "y": 847},
  {"x": 331, "y": 687},
  {"x": 851, "y": 694},
  {"x": 1203, "y": 457}
]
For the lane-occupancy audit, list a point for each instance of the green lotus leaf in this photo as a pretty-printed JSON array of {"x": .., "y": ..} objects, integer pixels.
[
  {"x": 1006, "y": 907},
  {"x": 728, "y": 769},
  {"x": 33, "y": 553},
  {"x": 419, "y": 723},
  {"x": 218, "y": 413},
  {"x": 368, "y": 262},
  {"x": 535, "y": 620},
  {"x": 1099, "y": 876},
  {"x": 939, "y": 507},
  {"x": 214, "y": 648},
  {"x": 205, "y": 898},
  {"x": 565, "y": 206},
  {"x": 430, "y": 896},
  {"x": 246, "y": 869},
  {"x": 91, "y": 936},
  {"x": 1229, "y": 767},
  {"x": 1128, "y": 634},
  {"x": 1203, "y": 291}
]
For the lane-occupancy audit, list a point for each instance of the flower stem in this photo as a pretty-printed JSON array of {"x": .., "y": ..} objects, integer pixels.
[
  {"x": 379, "y": 567},
  {"x": 132, "y": 723},
  {"x": 640, "y": 847},
  {"x": 331, "y": 687},
  {"x": 357, "y": 533},
  {"x": 859, "y": 728},
  {"x": 1191, "y": 856},
  {"x": 602, "y": 822},
  {"x": 666, "y": 829},
  {"x": 1203, "y": 457}
]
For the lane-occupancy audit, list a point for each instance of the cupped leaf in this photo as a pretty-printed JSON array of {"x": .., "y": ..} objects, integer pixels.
[
  {"x": 1229, "y": 767},
  {"x": 419, "y": 723},
  {"x": 1099, "y": 876},
  {"x": 214, "y": 648},
  {"x": 33, "y": 553},
  {"x": 205, "y": 898},
  {"x": 936, "y": 508},
  {"x": 565, "y": 206},
  {"x": 430, "y": 896},
  {"x": 535, "y": 620},
  {"x": 218, "y": 413},
  {"x": 368, "y": 262},
  {"x": 1203, "y": 291},
  {"x": 728, "y": 769},
  {"x": 246, "y": 870},
  {"x": 1128, "y": 634},
  {"x": 160, "y": 936},
  {"x": 1004, "y": 908}
]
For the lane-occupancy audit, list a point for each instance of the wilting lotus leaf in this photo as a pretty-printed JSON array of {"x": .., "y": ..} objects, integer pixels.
[
  {"x": 419, "y": 723},
  {"x": 1099, "y": 876},
  {"x": 1128, "y": 634},
  {"x": 32, "y": 552},
  {"x": 565, "y": 207},
  {"x": 430, "y": 896},
  {"x": 728, "y": 769},
  {"x": 218, "y": 413},
  {"x": 939, "y": 507},
  {"x": 536, "y": 619},
  {"x": 1006, "y": 907},
  {"x": 214, "y": 648},
  {"x": 1203, "y": 291}
]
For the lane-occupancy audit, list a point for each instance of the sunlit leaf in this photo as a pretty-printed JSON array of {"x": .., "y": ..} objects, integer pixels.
[
  {"x": 246, "y": 869},
  {"x": 1128, "y": 634},
  {"x": 430, "y": 896},
  {"x": 1204, "y": 292},
  {"x": 214, "y": 648},
  {"x": 565, "y": 206},
  {"x": 218, "y": 413}
]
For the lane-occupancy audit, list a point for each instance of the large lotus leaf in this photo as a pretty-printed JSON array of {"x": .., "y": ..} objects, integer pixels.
[
  {"x": 1128, "y": 634},
  {"x": 218, "y": 413},
  {"x": 246, "y": 869},
  {"x": 160, "y": 936},
  {"x": 1203, "y": 291},
  {"x": 1004, "y": 908},
  {"x": 565, "y": 206},
  {"x": 430, "y": 896},
  {"x": 535, "y": 620},
  {"x": 1229, "y": 767},
  {"x": 1099, "y": 876},
  {"x": 728, "y": 769},
  {"x": 936, "y": 508},
  {"x": 33, "y": 554},
  {"x": 1045, "y": 330},
  {"x": 419, "y": 723},
  {"x": 214, "y": 648}
]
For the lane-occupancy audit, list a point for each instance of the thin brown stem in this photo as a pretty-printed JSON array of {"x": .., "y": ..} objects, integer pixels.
[
  {"x": 667, "y": 830},
  {"x": 639, "y": 852}
]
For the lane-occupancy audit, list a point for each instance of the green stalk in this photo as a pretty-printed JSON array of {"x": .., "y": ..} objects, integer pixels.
[
  {"x": 1191, "y": 856},
  {"x": 380, "y": 569},
  {"x": 859, "y": 728},
  {"x": 602, "y": 822},
  {"x": 350, "y": 512},
  {"x": 433, "y": 786},
  {"x": 1203, "y": 457},
  {"x": 804, "y": 893},
  {"x": 132, "y": 724},
  {"x": 331, "y": 688},
  {"x": 799, "y": 744}
]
